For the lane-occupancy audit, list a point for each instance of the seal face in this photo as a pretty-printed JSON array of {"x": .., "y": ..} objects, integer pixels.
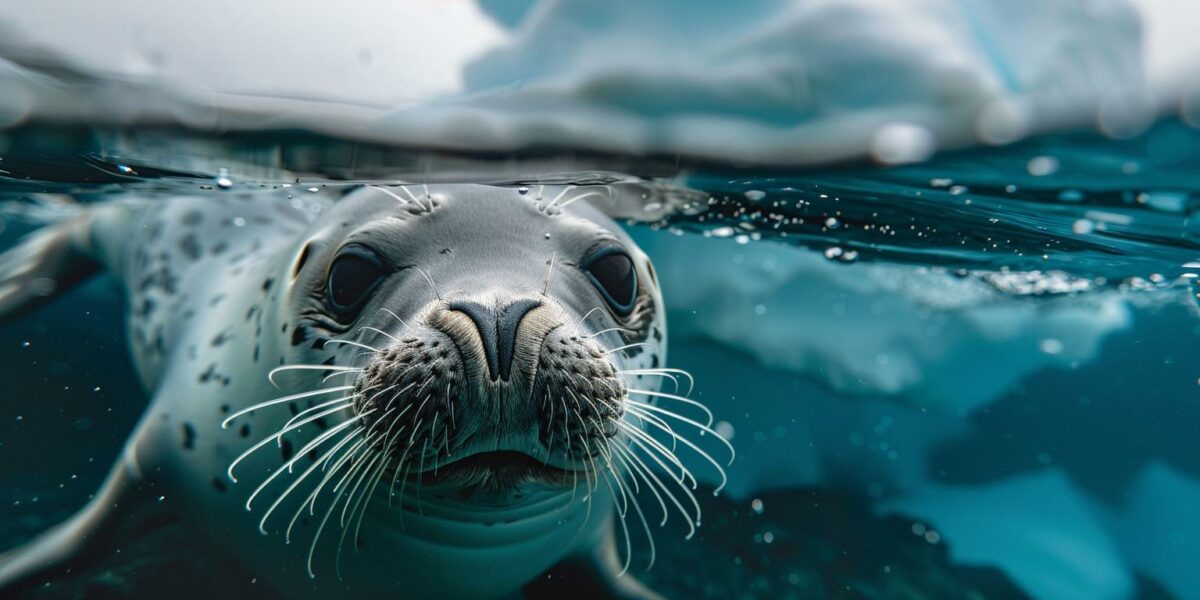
[{"x": 457, "y": 379}]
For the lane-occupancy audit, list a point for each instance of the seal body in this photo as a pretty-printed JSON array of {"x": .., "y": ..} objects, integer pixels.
[{"x": 413, "y": 392}]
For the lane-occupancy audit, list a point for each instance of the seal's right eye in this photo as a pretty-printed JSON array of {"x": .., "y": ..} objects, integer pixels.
[{"x": 354, "y": 274}]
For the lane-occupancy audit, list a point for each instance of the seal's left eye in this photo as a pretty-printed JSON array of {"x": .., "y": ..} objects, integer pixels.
[
  {"x": 613, "y": 273},
  {"x": 355, "y": 272}
]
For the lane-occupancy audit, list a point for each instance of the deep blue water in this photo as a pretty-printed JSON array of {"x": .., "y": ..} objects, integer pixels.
[{"x": 975, "y": 374}]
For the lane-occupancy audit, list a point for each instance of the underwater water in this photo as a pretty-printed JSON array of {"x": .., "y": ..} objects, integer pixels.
[{"x": 969, "y": 377}]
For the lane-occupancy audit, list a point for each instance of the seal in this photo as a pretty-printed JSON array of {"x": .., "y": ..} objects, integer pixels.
[{"x": 415, "y": 391}]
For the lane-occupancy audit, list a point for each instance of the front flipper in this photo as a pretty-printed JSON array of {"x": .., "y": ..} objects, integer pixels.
[
  {"x": 119, "y": 513},
  {"x": 594, "y": 575},
  {"x": 53, "y": 259}
]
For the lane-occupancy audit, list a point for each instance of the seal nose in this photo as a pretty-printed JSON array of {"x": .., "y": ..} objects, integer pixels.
[{"x": 497, "y": 327}]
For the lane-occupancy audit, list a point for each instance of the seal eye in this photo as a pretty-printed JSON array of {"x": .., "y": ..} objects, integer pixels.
[
  {"x": 612, "y": 273},
  {"x": 355, "y": 272}
]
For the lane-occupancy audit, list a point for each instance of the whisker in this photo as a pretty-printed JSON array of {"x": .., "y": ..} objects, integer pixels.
[
  {"x": 634, "y": 404},
  {"x": 321, "y": 462},
  {"x": 692, "y": 523},
  {"x": 627, "y": 347},
  {"x": 295, "y": 483},
  {"x": 580, "y": 197},
  {"x": 636, "y": 470},
  {"x": 603, "y": 331},
  {"x": 352, "y": 343},
  {"x": 705, "y": 455},
  {"x": 390, "y": 193},
  {"x": 302, "y": 395},
  {"x": 641, "y": 436},
  {"x": 677, "y": 398},
  {"x": 381, "y": 332},
  {"x": 431, "y": 283},
  {"x": 664, "y": 371},
  {"x": 625, "y": 529},
  {"x": 584, "y": 318},
  {"x": 290, "y": 422},
  {"x": 397, "y": 317},
  {"x": 277, "y": 370}
]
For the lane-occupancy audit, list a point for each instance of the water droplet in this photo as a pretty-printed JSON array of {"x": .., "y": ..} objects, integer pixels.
[
  {"x": 755, "y": 195},
  {"x": 1083, "y": 227},
  {"x": 522, "y": 190},
  {"x": 757, "y": 506},
  {"x": 832, "y": 223},
  {"x": 1040, "y": 166},
  {"x": 239, "y": 222},
  {"x": 1050, "y": 346}
]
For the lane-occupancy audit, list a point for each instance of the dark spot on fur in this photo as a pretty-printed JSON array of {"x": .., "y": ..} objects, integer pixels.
[
  {"x": 219, "y": 248},
  {"x": 189, "y": 436},
  {"x": 219, "y": 484},
  {"x": 658, "y": 334},
  {"x": 221, "y": 338},
  {"x": 319, "y": 344},
  {"x": 284, "y": 328},
  {"x": 295, "y": 410},
  {"x": 193, "y": 217},
  {"x": 266, "y": 286},
  {"x": 250, "y": 313},
  {"x": 189, "y": 246},
  {"x": 225, "y": 409},
  {"x": 445, "y": 251},
  {"x": 285, "y": 449},
  {"x": 298, "y": 335},
  {"x": 654, "y": 361},
  {"x": 209, "y": 374},
  {"x": 245, "y": 430},
  {"x": 215, "y": 300},
  {"x": 256, "y": 349}
]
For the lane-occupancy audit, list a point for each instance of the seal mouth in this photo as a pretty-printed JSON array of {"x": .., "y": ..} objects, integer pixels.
[{"x": 498, "y": 469}]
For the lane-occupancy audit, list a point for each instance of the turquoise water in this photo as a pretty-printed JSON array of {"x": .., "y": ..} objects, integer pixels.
[{"x": 973, "y": 375}]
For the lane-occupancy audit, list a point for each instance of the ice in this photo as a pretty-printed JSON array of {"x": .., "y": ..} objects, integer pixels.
[
  {"x": 765, "y": 81},
  {"x": 931, "y": 338}
]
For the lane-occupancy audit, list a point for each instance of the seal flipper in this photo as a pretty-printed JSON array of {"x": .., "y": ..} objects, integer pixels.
[
  {"x": 55, "y": 258},
  {"x": 118, "y": 513},
  {"x": 594, "y": 574}
]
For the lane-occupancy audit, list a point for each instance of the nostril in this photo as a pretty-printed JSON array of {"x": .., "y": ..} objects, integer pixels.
[{"x": 497, "y": 330}]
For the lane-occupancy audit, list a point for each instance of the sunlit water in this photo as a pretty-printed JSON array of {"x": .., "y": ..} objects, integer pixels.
[{"x": 972, "y": 375}]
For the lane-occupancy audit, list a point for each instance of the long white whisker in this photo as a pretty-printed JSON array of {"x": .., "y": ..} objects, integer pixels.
[
  {"x": 321, "y": 462},
  {"x": 352, "y": 343},
  {"x": 382, "y": 332},
  {"x": 677, "y": 398},
  {"x": 640, "y": 436},
  {"x": 626, "y": 347},
  {"x": 579, "y": 197},
  {"x": 288, "y": 467},
  {"x": 390, "y": 193},
  {"x": 314, "y": 408},
  {"x": 635, "y": 405},
  {"x": 277, "y": 370},
  {"x": 664, "y": 371},
  {"x": 302, "y": 395}
]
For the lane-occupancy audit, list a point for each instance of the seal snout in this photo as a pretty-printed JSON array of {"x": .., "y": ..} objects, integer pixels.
[
  {"x": 491, "y": 374},
  {"x": 496, "y": 327}
]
